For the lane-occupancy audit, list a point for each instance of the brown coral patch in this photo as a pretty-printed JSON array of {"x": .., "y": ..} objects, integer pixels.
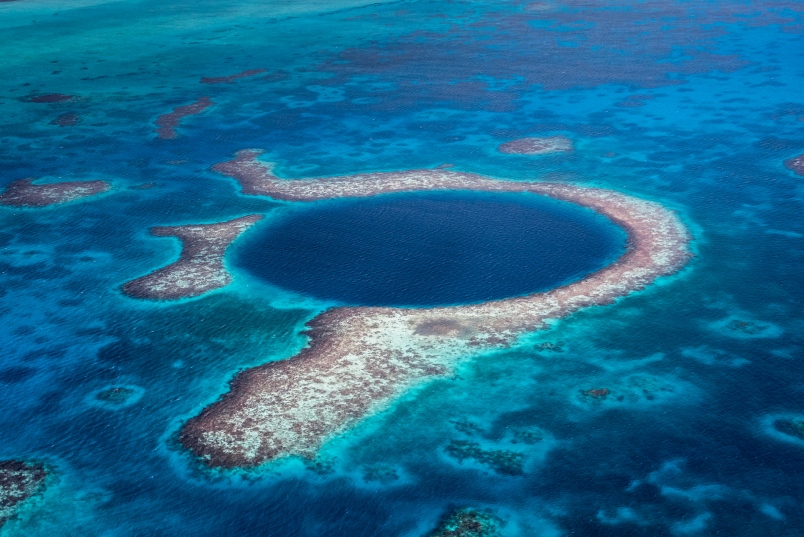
[
  {"x": 199, "y": 268},
  {"x": 24, "y": 193}
]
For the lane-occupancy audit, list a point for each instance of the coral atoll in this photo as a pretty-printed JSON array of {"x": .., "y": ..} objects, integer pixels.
[
  {"x": 199, "y": 268},
  {"x": 25, "y": 193},
  {"x": 359, "y": 359},
  {"x": 19, "y": 480}
]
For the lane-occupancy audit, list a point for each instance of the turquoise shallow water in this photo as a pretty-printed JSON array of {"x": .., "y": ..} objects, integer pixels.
[{"x": 692, "y": 104}]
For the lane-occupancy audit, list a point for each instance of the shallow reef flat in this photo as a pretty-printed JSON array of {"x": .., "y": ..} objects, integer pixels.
[
  {"x": 199, "y": 269},
  {"x": 25, "y": 193},
  {"x": 359, "y": 359},
  {"x": 537, "y": 146},
  {"x": 19, "y": 481}
]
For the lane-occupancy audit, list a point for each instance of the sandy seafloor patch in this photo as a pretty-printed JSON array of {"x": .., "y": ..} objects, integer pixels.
[{"x": 697, "y": 112}]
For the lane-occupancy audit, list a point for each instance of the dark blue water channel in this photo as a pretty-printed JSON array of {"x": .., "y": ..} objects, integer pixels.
[{"x": 427, "y": 249}]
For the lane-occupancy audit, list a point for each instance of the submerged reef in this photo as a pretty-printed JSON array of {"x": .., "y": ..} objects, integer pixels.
[
  {"x": 200, "y": 266},
  {"x": 231, "y": 78},
  {"x": 47, "y": 98},
  {"x": 359, "y": 359},
  {"x": 467, "y": 523},
  {"x": 380, "y": 473},
  {"x": 502, "y": 461},
  {"x": 19, "y": 480},
  {"x": 795, "y": 164},
  {"x": 536, "y": 146},
  {"x": 24, "y": 193},
  {"x": 166, "y": 123},
  {"x": 68, "y": 119},
  {"x": 117, "y": 395},
  {"x": 791, "y": 427}
]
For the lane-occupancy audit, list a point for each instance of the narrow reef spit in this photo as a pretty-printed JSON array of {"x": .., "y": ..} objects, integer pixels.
[
  {"x": 359, "y": 359},
  {"x": 19, "y": 480},
  {"x": 24, "y": 193},
  {"x": 537, "y": 146},
  {"x": 166, "y": 123},
  {"x": 795, "y": 164},
  {"x": 231, "y": 78},
  {"x": 467, "y": 523},
  {"x": 199, "y": 268},
  {"x": 47, "y": 98}
]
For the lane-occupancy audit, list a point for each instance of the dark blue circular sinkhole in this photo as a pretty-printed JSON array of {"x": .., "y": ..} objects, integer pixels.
[{"x": 429, "y": 249}]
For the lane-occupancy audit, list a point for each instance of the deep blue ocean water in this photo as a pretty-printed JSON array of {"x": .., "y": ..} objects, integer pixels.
[
  {"x": 693, "y": 104},
  {"x": 429, "y": 249}
]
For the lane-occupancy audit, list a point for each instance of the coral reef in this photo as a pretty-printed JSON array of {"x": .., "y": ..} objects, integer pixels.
[
  {"x": 379, "y": 473},
  {"x": 200, "y": 266},
  {"x": 47, "y": 98},
  {"x": 791, "y": 427},
  {"x": 320, "y": 466},
  {"x": 536, "y": 146},
  {"x": 746, "y": 327},
  {"x": 527, "y": 436},
  {"x": 597, "y": 393},
  {"x": 67, "y": 119},
  {"x": 502, "y": 461},
  {"x": 19, "y": 481},
  {"x": 795, "y": 164},
  {"x": 231, "y": 78},
  {"x": 166, "y": 123},
  {"x": 117, "y": 395},
  {"x": 359, "y": 359},
  {"x": 467, "y": 523},
  {"x": 548, "y": 346},
  {"x": 24, "y": 193}
]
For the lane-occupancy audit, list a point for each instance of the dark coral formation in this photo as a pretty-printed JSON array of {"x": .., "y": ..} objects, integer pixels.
[
  {"x": 24, "y": 193},
  {"x": 380, "y": 473},
  {"x": 502, "y": 461},
  {"x": 466, "y": 427},
  {"x": 68, "y": 119},
  {"x": 47, "y": 98},
  {"x": 791, "y": 427},
  {"x": 537, "y": 146},
  {"x": 19, "y": 481},
  {"x": 320, "y": 466},
  {"x": 117, "y": 395},
  {"x": 548, "y": 346},
  {"x": 199, "y": 269},
  {"x": 597, "y": 393},
  {"x": 231, "y": 78},
  {"x": 167, "y": 123},
  {"x": 468, "y": 523},
  {"x": 748, "y": 328},
  {"x": 795, "y": 164},
  {"x": 527, "y": 436}
]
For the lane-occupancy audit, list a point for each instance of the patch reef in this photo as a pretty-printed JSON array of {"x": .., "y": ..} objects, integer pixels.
[
  {"x": 200, "y": 266},
  {"x": 19, "y": 481},
  {"x": 24, "y": 193},
  {"x": 359, "y": 359}
]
